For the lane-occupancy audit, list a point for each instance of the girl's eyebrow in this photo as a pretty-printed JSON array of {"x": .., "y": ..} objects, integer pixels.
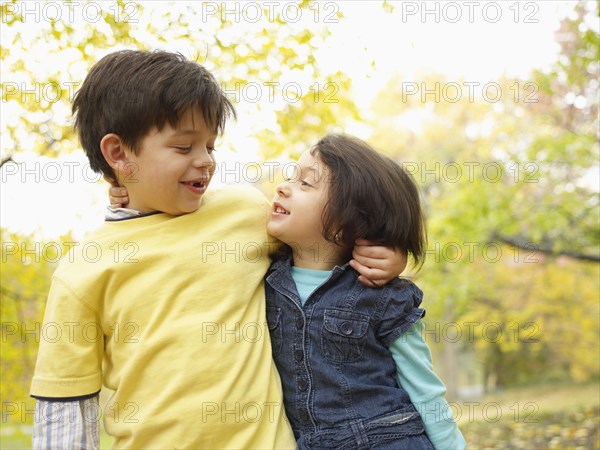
[{"x": 310, "y": 169}]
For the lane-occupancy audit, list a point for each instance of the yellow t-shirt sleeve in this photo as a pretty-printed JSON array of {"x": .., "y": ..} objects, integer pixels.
[
  {"x": 69, "y": 361},
  {"x": 259, "y": 201},
  {"x": 272, "y": 244}
]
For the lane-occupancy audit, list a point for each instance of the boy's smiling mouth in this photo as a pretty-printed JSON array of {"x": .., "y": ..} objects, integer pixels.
[{"x": 197, "y": 186}]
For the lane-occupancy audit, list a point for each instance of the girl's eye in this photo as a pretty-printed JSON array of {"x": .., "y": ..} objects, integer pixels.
[
  {"x": 211, "y": 149},
  {"x": 304, "y": 183}
]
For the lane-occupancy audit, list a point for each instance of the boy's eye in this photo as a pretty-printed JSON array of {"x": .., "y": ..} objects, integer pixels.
[
  {"x": 184, "y": 149},
  {"x": 211, "y": 149},
  {"x": 304, "y": 183}
]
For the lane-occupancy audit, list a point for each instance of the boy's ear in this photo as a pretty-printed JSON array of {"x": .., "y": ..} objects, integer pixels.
[
  {"x": 114, "y": 153},
  {"x": 113, "y": 150}
]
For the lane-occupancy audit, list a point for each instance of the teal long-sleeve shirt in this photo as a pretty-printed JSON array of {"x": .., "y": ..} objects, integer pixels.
[{"x": 414, "y": 372}]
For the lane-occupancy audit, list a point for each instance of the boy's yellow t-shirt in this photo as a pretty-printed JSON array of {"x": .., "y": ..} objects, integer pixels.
[{"x": 169, "y": 313}]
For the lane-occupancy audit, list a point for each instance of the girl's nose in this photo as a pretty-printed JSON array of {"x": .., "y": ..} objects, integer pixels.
[{"x": 282, "y": 190}]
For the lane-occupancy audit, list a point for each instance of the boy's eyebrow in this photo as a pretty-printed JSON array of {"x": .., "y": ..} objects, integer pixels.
[{"x": 188, "y": 131}]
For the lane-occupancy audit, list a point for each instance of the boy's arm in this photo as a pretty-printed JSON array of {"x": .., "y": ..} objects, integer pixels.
[
  {"x": 376, "y": 265},
  {"x": 426, "y": 391},
  {"x": 72, "y": 424},
  {"x": 69, "y": 364}
]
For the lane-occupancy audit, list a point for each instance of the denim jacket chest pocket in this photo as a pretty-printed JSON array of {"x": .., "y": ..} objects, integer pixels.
[
  {"x": 275, "y": 328},
  {"x": 343, "y": 335}
]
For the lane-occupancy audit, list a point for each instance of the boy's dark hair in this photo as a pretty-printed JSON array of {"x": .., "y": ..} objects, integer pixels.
[
  {"x": 131, "y": 91},
  {"x": 370, "y": 197}
]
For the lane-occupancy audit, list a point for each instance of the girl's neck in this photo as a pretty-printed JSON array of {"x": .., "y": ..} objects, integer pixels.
[{"x": 317, "y": 256}]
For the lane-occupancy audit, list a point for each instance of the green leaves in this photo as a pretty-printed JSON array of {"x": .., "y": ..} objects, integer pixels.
[{"x": 511, "y": 195}]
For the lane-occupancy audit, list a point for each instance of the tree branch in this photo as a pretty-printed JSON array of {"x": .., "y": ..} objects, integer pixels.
[
  {"x": 6, "y": 160},
  {"x": 548, "y": 250}
]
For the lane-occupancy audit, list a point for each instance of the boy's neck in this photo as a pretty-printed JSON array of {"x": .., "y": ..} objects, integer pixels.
[
  {"x": 137, "y": 206},
  {"x": 317, "y": 257}
]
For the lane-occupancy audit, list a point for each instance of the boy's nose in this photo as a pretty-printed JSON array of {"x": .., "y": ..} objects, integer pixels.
[{"x": 203, "y": 159}]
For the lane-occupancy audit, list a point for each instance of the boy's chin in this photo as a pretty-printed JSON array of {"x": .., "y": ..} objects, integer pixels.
[{"x": 187, "y": 209}]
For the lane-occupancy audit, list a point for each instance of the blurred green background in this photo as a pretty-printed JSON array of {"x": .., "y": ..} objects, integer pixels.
[{"x": 508, "y": 163}]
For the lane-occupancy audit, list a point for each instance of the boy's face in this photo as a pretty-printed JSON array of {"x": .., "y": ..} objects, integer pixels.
[{"x": 173, "y": 167}]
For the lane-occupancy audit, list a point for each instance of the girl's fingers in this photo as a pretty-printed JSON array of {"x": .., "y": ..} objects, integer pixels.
[
  {"x": 365, "y": 249},
  {"x": 369, "y": 262},
  {"x": 117, "y": 197},
  {"x": 368, "y": 282},
  {"x": 370, "y": 273}
]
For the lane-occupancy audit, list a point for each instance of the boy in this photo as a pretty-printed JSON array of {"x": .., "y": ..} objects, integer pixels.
[{"x": 167, "y": 308}]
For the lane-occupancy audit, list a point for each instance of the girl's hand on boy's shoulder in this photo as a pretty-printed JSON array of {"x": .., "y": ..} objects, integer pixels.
[
  {"x": 377, "y": 265},
  {"x": 117, "y": 194}
]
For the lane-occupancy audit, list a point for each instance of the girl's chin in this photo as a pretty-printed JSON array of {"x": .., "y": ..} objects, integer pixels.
[{"x": 272, "y": 230}]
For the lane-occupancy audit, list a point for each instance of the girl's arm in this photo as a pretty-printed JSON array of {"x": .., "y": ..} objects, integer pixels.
[
  {"x": 117, "y": 195},
  {"x": 426, "y": 391},
  {"x": 376, "y": 265}
]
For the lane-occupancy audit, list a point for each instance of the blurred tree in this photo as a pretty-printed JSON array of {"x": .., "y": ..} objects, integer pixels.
[
  {"x": 272, "y": 57},
  {"x": 509, "y": 171},
  {"x": 27, "y": 266},
  {"x": 555, "y": 139}
]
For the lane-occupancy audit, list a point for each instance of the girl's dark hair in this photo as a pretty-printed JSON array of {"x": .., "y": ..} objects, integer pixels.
[
  {"x": 131, "y": 91},
  {"x": 370, "y": 197}
]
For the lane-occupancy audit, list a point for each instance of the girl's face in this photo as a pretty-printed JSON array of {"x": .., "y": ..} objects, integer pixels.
[{"x": 298, "y": 205}]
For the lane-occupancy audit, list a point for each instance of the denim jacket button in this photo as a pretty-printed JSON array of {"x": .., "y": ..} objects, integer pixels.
[
  {"x": 346, "y": 328},
  {"x": 303, "y": 414},
  {"x": 302, "y": 385},
  {"x": 299, "y": 323},
  {"x": 298, "y": 355}
]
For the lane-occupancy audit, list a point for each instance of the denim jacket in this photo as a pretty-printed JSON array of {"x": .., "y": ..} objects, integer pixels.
[{"x": 338, "y": 376}]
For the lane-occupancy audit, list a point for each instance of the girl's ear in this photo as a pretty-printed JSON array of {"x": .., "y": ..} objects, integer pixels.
[{"x": 115, "y": 154}]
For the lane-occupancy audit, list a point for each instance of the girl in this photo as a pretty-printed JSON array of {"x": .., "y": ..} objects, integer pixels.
[{"x": 350, "y": 381}]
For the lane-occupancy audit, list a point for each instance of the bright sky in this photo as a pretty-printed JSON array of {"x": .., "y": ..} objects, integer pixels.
[{"x": 475, "y": 41}]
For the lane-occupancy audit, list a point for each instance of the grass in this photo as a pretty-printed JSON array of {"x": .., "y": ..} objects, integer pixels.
[
  {"x": 547, "y": 416},
  {"x": 525, "y": 404},
  {"x": 575, "y": 429}
]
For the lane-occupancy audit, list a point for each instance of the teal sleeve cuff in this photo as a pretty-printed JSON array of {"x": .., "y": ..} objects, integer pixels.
[{"x": 426, "y": 391}]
